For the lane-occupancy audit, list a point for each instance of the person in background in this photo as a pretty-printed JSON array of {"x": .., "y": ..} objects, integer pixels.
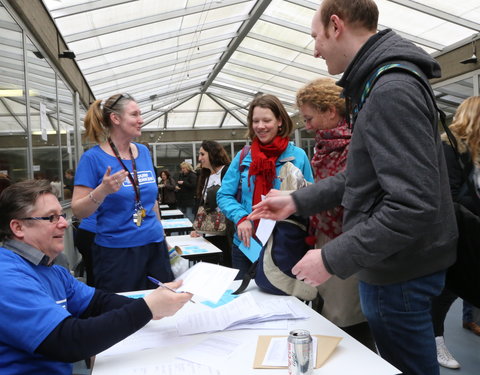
[
  {"x": 186, "y": 184},
  {"x": 5, "y": 181},
  {"x": 166, "y": 188},
  {"x": 116, "y": 179},
  {"x": 68, "y": 181},
  {"x": 48, "y": 319},
  {"x": 324, "y": 112},
  {"x": 214, "y": 163},
  {"x": 466, "y": 130},
  {"x": 56, "y": 186},
  {"x": 399, "y": 231},
  {"x": 269, "y": 128}
]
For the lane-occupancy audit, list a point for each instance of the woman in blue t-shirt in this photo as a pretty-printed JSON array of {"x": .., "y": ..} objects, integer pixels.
[{"x": 116, "y": 178}]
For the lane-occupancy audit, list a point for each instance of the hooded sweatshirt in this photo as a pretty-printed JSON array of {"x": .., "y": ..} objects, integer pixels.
[{"x": 398, "y": 219}]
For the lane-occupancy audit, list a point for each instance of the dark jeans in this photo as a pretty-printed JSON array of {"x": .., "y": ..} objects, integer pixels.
[
  {"x": 240, "y": 262},
  {"x": 126, "y": 269},
  {"x": 399, "y": 318},
  {"x": 440, "y": 306}
]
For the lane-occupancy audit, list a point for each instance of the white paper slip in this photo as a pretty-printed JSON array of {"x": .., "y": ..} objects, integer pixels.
[
  {"x": 264, "y": 230},
  {"x": 216, "y": 349},
  {"x": 172, "y": 368},
  {"x": 277, "y": 352},
  {"x": 208, "y": 281}
]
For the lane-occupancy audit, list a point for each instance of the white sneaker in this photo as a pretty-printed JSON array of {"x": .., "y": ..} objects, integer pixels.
[{"x": 444, "y": 357}]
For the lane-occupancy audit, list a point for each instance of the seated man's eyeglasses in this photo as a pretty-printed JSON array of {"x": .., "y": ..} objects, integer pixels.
[{"x": 52, "y": 218}]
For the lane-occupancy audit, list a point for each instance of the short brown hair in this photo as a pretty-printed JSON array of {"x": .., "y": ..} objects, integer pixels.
[
  {"x": 18, "y": 200},
  {"x": 275, "y": 105},
  {"x": 363, "y": 13},
  {"x": 322, "y": 94}
]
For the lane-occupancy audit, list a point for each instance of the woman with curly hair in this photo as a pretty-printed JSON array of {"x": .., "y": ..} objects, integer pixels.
[{"x": 324, "y": 112}]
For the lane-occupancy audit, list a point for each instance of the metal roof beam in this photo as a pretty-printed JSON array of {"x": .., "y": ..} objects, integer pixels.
[
  {"x": 158, "y": 38},
  {"x": 148, "y": 20},
  {"x": 457, "y": 20},
  {"x": 86, "y": 7},
  {"x": 254, "y": 15},
  {"x": 160, "y": 53}
]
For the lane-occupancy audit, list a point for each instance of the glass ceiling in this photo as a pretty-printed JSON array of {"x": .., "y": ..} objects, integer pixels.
[{"x": 198, "y": 63}]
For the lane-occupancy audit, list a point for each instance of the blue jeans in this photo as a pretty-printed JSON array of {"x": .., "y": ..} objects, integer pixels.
[
  {"x": 400, "y": 321},
  {"x": 240, "y": 261}
]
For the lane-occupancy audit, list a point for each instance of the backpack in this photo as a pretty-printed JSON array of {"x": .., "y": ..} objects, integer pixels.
[{"x": 286, "y": 245}]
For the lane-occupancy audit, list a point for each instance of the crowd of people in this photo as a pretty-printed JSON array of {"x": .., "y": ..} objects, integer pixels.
[{"x": 381, "y": 186}]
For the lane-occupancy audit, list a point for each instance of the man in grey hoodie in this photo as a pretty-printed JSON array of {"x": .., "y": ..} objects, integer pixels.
[{"x": 399, "y": 226}]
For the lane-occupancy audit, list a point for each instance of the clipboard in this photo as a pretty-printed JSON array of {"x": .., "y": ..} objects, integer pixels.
[{"x": 325, "y": 347}]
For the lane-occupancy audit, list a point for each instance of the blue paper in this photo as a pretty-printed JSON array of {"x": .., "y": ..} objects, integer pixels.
[
  {"x": 226, "y": 298},
  {"x": 253, "y": 251}
]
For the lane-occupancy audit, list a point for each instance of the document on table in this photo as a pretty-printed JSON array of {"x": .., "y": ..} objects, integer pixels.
[
  {"x": 215, "y": 350},
  {"x": 208, "y": 281},
  {"x": 241, "y": 312},
  {"x": 172, "y": 368}
]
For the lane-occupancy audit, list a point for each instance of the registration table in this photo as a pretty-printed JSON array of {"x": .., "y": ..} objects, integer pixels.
[
  {"x": 349, "y": 357},
  {"x": 171, "y": 214},
  {"x": 181, "y": 226},
  {"x": 195, "y": 248}
]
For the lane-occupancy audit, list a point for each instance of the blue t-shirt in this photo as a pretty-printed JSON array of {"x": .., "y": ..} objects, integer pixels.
[
  {"x": 34, "y": 300},
  {"x": 115, "y": 226},
  {"x": 89, "y": 223}
]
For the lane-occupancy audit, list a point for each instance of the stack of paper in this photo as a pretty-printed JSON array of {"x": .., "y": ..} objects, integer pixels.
[{"x": 241, "y": 313}]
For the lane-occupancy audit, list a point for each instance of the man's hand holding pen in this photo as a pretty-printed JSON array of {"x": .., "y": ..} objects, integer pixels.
[{"x": 162, "y": 302}]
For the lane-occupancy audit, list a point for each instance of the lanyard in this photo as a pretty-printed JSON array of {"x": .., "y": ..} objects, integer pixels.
[{"x": 133, "y": 179}]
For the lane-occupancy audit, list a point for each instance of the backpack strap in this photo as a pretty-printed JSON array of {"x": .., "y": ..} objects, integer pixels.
[
  {"x": 247, "y": 278},
  {"x": 243, "y": 153},
  {"x": 462, "y": 161}
]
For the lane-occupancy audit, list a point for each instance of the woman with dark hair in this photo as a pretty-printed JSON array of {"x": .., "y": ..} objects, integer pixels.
[
  {"x": 116, "y": 179},
  {"x": 166, "y": 189},
  {"x": 186, "y": 183},
  {"x": 269, "y": 128},
  {"x": 214, "y": 163}
]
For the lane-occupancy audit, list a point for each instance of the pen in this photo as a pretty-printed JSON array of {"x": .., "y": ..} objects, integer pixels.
[{"x": 160, "y": 284}]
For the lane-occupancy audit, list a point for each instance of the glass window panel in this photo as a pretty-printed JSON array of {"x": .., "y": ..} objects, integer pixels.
[{"x": 13, "y": 139}]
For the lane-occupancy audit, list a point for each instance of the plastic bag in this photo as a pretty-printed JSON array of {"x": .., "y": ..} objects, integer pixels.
[{"x": 178, "y": 264}]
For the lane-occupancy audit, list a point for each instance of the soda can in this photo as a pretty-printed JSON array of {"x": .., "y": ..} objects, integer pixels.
[{"x": 300, "y": 353}]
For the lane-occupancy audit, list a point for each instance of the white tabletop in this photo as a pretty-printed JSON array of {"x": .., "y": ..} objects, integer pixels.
[
  {"x": 192, "y": 245},
  {"x": 349, "y": 357},
  {"x": 182, "y": 223},
  {"x": 167, "y": 213}
]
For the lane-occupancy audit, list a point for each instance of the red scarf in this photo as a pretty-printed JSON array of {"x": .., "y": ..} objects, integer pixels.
[
  {"x": 262, "y": 167},
  {"x": 330, "y": 157}
]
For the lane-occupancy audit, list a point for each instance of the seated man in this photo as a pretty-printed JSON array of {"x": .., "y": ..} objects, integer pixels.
[{"x": 47, "y": 317}]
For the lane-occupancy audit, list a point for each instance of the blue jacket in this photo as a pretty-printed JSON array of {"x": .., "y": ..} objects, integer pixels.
[{"x": 226, "y": 196}]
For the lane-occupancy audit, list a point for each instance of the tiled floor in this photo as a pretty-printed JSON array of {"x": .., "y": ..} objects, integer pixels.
[{"x": 463, "y": 344}]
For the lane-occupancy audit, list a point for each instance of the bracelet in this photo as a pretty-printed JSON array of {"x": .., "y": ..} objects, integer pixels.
[{"x": 90, "y": 195}]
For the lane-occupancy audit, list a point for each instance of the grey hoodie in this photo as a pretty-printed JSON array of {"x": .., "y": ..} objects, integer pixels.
[{"x": 398, "y": 220}]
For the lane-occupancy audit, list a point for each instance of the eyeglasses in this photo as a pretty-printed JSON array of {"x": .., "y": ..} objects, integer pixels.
[{"x": 52, "y": 218}]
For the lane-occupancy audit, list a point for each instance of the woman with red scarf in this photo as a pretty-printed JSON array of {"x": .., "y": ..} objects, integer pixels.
[
  {"x": 269, "y": 128},
  {"x": 323, "y": 111}
]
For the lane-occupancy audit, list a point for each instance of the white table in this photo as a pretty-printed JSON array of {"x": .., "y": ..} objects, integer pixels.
[
  {"x": 349, "y": 357},
  {"x": 195, "y": 248},
  {"x": 182, "y": 225},
  {"x": 164, "y": 206},
  {"x": 171, "y": 214}
]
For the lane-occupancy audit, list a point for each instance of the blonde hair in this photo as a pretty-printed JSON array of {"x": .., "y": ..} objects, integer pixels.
[
  {"x": 322, "y": 94},
  {"x": 97, "y": 120},
  {"x": 186, "y": 165},
  {"x": 466, "y": 125}
]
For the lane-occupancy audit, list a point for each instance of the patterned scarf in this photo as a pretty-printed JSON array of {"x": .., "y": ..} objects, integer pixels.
[
  {"x": 330, "y": 157},
  {"x": 262, "y": 167}
]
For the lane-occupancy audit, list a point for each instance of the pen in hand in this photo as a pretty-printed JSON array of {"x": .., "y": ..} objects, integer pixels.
[{"x": 162, "y": 285}]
